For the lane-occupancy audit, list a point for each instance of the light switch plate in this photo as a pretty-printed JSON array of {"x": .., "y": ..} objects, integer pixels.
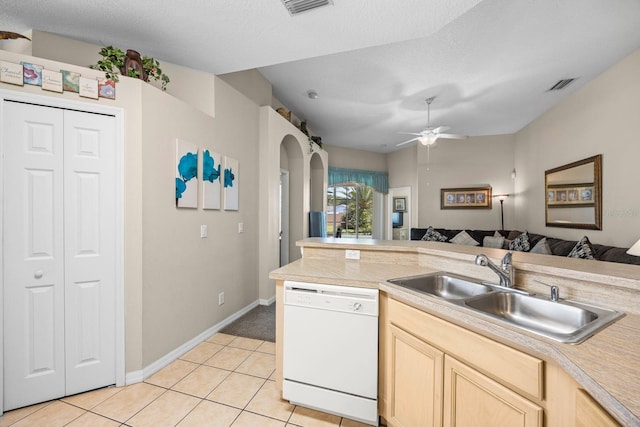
[
  {"x": 203, "y": 231},
  {"x": 240, "y": 227}
]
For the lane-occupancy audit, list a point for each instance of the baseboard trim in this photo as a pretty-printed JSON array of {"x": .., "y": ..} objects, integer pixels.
[
  {"x": 141, "y": 375},
  {"x": 268, "y": 301}
]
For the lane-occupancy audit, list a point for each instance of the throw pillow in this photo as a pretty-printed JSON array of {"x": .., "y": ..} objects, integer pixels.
[
  {"x": 542, "y": 247},
  {"x": 520, "y": 243},
  {"x": 493, "y": 242},
  {"x": 582, "y": 250},
  {"x": 463, "y": 238},
  {"x": 432, "y": 235}
]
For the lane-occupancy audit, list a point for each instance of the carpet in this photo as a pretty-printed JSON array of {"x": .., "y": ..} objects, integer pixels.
[{"x": 259, "y": 323}]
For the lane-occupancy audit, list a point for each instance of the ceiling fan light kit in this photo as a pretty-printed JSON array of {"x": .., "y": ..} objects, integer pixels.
[{"x": 430, "y": 135}]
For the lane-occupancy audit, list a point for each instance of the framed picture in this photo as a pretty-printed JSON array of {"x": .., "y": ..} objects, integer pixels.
[
  {"x": 399, "y": 204},
  {"x": 465, "y": 198},
  {"x": 230, "y": 184},
  {"x": 186, "y": 174},
  {"x": 570, "y": 195}
]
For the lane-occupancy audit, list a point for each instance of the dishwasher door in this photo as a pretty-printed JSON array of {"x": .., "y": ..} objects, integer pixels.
[{"x": 330, "y": 349}]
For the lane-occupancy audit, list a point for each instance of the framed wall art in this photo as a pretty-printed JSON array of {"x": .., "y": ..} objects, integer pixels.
[
  {"x": 186, "y": 174},
  {"x": 231, "y": 184},
  {"x": 465, "y": 198},
  {"x": 399, "y": 204},
  {"x": 211, "y": 179},
  {"x": 570, "y": 195}
]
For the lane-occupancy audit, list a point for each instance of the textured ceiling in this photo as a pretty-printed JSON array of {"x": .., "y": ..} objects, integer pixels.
[{"x": 372, "y": 62}]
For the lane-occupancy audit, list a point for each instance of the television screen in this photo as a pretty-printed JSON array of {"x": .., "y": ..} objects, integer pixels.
[{"x": 396, "y": 219}]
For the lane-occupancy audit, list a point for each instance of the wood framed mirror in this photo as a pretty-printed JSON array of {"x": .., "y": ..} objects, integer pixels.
[{"x": 573, "y": 195}]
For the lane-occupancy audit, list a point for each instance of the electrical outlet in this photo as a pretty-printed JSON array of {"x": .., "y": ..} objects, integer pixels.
[
  {"x": 221, "y": 298},
  {"x": 352, "y": 254},
  {"x": 240, "y": 227},
  {"x": 203, "y": 231}
]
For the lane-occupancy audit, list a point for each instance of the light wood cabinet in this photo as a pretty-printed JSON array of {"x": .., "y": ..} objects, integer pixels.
[
  {"x": 590, "y": 414},
  {"x": 414, "y": 380},
  {"x": 435, "y": 373},
  {"x": 473, "y": 399}
]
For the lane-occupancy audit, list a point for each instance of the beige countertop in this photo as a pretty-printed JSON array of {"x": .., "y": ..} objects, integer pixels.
[{"x": 606, "y": 365}]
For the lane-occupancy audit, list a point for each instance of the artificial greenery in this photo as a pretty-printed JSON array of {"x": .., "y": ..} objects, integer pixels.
[{"x": 112, "y": 63}]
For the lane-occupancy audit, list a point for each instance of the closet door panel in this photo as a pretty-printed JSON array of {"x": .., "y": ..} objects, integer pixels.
[
  {"x": 33, "y": 254},
  {"x": 89, "y": 250}
]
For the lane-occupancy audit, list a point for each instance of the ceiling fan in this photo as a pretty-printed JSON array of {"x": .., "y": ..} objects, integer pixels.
[{"x": 430, "y": 135}]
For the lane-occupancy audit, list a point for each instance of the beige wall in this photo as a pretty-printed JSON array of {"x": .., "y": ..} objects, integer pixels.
[
  {"x": 472, "y": 162},
  {"x": 600, "y": 118},
  {"x": 196, "y": 88},
  {"x": 340, "y": 157},
  {"x": 171, "y": 276},
  {"x": 183, "y": 273},
  {"x": 251, "y": 84},
  {"x": 403, "y": 173}
]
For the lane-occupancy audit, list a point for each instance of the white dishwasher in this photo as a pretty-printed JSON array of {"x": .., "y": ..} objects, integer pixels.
[{"x": 330, "y": 349}]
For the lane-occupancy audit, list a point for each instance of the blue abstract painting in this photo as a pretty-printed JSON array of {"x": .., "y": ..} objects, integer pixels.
[
  {"x": 186, "y": 174},
  {"x": 211, "y": 179},
  {"x": 231, "y": 184}
]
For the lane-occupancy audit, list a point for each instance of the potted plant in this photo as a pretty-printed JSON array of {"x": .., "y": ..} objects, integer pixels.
[{"x": 115, "y": 61}]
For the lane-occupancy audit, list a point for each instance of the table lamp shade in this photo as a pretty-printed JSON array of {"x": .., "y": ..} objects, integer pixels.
[{"x": 635, "y": 249}]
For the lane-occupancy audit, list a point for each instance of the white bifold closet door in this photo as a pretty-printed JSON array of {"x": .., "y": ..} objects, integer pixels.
[{"x": 58, "y": 252}]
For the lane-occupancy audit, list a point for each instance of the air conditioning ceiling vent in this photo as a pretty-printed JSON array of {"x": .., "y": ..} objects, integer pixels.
[
  {"x": 561, "y": 84},
  {"x": 298, "y": 6}
]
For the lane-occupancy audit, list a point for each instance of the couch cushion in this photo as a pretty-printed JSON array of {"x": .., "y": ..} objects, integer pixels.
[
  {"x": 463, "y": 238},
  {"x": 582, "y": 250},
  {"x": 520, "y": 243},
  {"x": 493, "y": 242},
  {"x": 614, "y": 254},
  {"x": 432, "y": 235},
  {"x": 542, "y": 247}
]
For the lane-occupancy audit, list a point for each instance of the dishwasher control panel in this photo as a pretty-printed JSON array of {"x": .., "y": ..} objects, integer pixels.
[{"x": 331, "y": 297}]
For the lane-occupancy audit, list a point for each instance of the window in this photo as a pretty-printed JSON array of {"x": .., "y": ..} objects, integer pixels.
[{"x": 350, "y": 211}]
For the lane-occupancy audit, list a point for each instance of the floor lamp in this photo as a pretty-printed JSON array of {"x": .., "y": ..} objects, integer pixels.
[{"x": 501, "y": 198}]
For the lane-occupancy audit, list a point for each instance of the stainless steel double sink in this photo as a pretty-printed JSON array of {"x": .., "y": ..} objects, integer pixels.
[{"x": 562, "y": 320}]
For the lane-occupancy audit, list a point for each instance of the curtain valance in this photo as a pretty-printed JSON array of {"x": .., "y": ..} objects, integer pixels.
[{"x": 379, "y": 181}]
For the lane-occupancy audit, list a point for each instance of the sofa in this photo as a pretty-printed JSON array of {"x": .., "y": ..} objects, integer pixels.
[{"x": 553, "y": 246}]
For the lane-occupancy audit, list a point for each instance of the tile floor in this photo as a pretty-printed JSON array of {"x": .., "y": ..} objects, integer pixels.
[{"x": 225, "y": 381}]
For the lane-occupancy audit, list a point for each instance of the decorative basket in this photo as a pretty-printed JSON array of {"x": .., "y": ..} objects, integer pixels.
[{"x": 284, "y": 113}]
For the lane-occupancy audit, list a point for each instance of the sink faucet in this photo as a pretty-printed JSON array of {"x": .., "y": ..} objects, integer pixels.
[{"x": 506, "y": 271}]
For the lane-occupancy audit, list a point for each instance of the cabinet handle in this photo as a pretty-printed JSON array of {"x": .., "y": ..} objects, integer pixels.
[{"x": 38, "y": 274}]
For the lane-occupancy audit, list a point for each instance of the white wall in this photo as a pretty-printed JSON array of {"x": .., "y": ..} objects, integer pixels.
[
  {"x": 602, "y": 117},
  {"x": 472, "y": 162}
]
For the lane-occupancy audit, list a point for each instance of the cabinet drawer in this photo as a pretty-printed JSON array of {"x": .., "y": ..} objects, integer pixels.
[{"x": 507, "y": 365}]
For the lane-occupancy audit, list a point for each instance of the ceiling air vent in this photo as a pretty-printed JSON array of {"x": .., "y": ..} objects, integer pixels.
[
  {"x": 298, "y": 6},
  {"x": 561, "y": 84}
]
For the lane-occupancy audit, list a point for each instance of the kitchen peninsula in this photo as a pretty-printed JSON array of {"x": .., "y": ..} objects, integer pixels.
[{"x": 540, "y": 380}]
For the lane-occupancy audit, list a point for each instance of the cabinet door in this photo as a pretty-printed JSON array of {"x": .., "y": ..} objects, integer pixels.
[
  {"x": 590, "y": 414},
  {"x": 414, "y": 381},
  {"x": 472, "y": 399}
]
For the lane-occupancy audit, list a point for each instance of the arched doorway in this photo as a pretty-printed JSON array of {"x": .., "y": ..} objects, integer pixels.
[{"x": 291, "y": 198}]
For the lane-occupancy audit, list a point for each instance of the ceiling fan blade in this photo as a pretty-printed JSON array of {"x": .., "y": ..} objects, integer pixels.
[
  {"x": 451, "y": 136},
  {"x": 441, "y": 129},
  {"x": 410, "y": 133},
  {"x": 406, "y": 142}
]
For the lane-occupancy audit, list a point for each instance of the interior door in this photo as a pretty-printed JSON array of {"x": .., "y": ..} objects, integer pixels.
[
  {"x": 33, "y": 254},
  {"x": 89, "y": 224},
  {"x": 59, "y": 252}
]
